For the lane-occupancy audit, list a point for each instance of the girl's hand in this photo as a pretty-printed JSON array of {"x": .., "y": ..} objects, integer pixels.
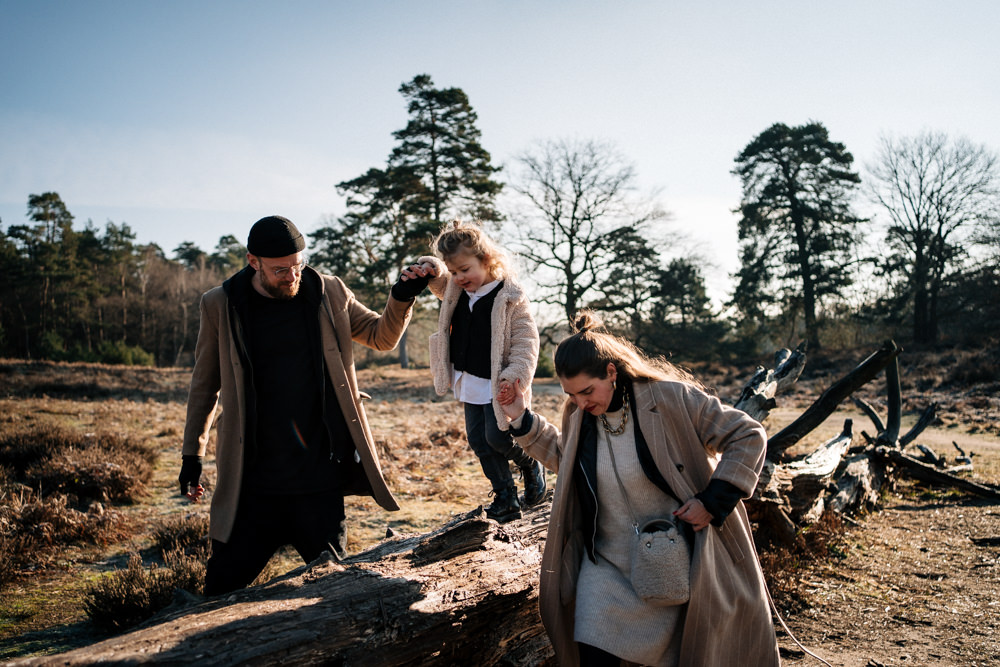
[
  {"x": 511, "y": 399},
  {"x": 506, "y": 393},
  {"x": 415, "y": 271},
  {"x": 694, "y": 513}
]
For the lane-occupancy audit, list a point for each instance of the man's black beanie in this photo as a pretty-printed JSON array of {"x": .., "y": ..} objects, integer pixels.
[{"x": 274, "y": 236}]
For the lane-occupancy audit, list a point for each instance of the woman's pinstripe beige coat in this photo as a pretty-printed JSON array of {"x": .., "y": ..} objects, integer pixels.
[{"x": 693, "y": 437}]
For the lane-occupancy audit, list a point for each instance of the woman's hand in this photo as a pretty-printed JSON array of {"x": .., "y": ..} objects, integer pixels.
[
  {"x": 694, "y": 513},
  {"x": 511, "y": 399}
]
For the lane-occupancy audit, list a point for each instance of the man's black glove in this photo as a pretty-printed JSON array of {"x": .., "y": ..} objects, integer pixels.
[
  {"x": 404, "y": 290},
  {"x": 190, "y": 476}
]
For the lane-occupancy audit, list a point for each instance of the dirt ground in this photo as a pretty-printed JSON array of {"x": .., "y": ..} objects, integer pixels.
[{"x": 914, "y": 583}]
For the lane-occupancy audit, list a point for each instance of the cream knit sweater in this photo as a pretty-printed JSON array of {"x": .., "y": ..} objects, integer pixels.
[{"x": 609, "y": 615}]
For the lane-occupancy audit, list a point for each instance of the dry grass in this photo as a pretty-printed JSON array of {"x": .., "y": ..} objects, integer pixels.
[
  {"x": 57, "y": 489},
  {"x": 184, "y": 532},
  {"x": 128, "y": 597},
  {"x": 425, "y": 458},
  {"x": 92, "y": 382},
  {"x": 783, "y": 566}
]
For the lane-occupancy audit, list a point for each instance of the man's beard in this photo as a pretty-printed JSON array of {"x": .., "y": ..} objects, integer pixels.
[{"x": 280, "y": 290}]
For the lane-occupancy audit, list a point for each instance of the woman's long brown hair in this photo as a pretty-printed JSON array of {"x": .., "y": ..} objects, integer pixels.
[{"x": 591, "y": 349}]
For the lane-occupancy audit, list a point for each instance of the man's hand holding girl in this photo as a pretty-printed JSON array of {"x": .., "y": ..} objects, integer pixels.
[{"x": 413, "y": 280}]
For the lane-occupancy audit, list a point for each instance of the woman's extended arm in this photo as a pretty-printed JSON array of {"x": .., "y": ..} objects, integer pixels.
[{"x": 540, "y": 439}]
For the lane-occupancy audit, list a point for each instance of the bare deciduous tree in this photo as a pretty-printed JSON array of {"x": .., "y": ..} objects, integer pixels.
[
  {"x": 937, "y": 193},
  {"x": 579, "y": 194}
]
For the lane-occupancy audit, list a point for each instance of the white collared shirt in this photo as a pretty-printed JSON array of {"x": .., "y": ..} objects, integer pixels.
[{"x": 470, "y": 388}]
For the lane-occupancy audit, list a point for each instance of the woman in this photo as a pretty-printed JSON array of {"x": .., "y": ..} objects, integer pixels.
[{"x": 620, "y": 405}]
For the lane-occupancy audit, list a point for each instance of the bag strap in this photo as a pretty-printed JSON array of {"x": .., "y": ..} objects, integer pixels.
[
  {"x": 649, "y": 467},
  {"x": 614, "y": 466}
]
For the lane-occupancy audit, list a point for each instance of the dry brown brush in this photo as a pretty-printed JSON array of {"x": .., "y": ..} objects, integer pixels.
[
  {"x": 128, "y": 597},
  {"x": 125, "y": 598},
  {"x": 186, "y": 532},
  {"x": 58, "y": 488},
  {"x": 821, "y": 542}
]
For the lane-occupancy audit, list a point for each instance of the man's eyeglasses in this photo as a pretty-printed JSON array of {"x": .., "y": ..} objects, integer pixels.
[{"x": 280, "y": 273}]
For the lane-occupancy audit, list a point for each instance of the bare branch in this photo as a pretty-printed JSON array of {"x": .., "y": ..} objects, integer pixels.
[
  {"x": 830, "y": 399},
  {"x": 867, "y": 408},
  {"x": 926, "y": 419}
]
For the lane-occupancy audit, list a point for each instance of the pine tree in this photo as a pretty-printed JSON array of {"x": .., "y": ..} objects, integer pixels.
[
  {"x": 437, "y": 171},
  {"x": 796, "y": 228},
  {"x": 440, "y": 147}
]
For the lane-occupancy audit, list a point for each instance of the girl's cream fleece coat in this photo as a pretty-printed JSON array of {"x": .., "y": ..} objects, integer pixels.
[{"x": 514, "y": 345}]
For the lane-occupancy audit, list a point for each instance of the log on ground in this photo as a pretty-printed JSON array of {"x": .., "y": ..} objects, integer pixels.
[{"x": 466, "y": 593}]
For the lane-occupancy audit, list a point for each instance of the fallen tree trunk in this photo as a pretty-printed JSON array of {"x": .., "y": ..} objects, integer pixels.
[
  {"x": 757, "y": 397},
  {"x": 797, "y": 493},
  {"x": 827, "y": 403},
  {"x": 858, "y": 486},
  {"x": 932, "y": 475},
  {"x": 808, "y": 479},
  {"x": 465, "y": 594}
]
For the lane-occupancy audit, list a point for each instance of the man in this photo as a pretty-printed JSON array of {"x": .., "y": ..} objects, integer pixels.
[{"x": 274, "y": 350}]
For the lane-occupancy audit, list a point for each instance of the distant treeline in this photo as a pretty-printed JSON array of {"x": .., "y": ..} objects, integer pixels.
[
  {"x": 924, "y": 268},
  {"x": 97, "y": 295}
]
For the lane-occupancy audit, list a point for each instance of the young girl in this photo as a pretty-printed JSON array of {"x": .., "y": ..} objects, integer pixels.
[{"x": 485, "y": 342}]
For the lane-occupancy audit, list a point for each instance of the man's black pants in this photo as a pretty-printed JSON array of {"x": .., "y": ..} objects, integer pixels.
[{"x": 312, "y": 523}]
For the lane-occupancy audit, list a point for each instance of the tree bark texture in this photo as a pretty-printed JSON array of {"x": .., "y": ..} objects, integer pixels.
[
  {"x": 466, "y": 594},
  {"x": 757, "y": 397}
]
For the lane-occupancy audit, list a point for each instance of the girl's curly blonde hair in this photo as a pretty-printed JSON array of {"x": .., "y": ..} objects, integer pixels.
[{"x": 459, "y": 237}]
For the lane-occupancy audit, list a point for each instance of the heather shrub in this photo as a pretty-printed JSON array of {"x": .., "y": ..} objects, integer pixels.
[
  {"x": 22, "y": 447},
  {"x": 975, "y": 368},
  {"x": 125, "y": 598},
  {"x": 106, "y": 467},
  {"x": 87, "y": 474},
  {"x": 34, "y": 530},
  {"x": 187, "y": 533},
  {"x": 783, "y": 565},
  {"x": 55, "y": 488},
  {"x": 11, "y": 549}
]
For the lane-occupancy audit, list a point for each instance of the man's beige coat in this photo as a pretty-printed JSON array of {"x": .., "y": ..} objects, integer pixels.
[
  {"x": 219, "y": 381},
  {"x": 693, "y": 437}
]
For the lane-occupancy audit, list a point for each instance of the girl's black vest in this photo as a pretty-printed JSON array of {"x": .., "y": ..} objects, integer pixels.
[{"x": 471, "y": 334}]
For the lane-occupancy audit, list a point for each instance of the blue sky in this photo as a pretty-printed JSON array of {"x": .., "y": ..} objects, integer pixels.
[{"x": 190, "y": 120}]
